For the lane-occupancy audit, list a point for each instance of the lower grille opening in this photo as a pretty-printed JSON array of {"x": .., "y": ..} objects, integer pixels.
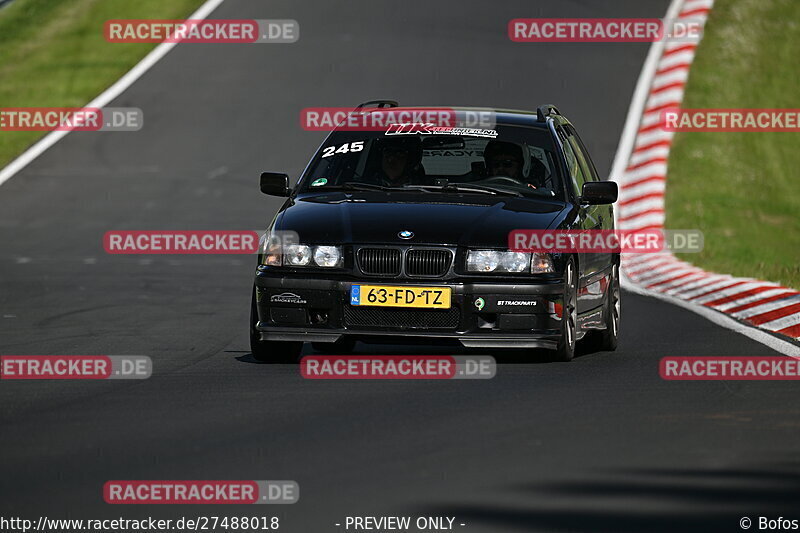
[{"x": 400, "y": 319}]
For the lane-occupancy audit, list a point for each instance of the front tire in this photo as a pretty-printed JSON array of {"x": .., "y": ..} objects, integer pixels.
[
  {"x": 605, "y": 340},
  {"x": 608, "y": 337},
  {"x": 270, "y": 351},
  {"x": 565, "y": 350}
]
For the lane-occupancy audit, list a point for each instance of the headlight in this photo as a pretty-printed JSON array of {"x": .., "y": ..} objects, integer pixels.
[
  {"x": 297, "y": 254},
  {"x": 494, "y": 261},
  {"x": 482, "y": 260},
  {"x": 327, "y": 256},
  {"x": 515, "y": 261},
  {"x": 541, "y": 263},
  {"x": 271, "y": 254}
]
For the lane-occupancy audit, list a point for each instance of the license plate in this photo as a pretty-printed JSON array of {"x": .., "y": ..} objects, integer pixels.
[{"x": 386, "y": 296}]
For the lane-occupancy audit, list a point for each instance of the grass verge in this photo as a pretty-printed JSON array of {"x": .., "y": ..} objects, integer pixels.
[
  {"x": 742, "y": 189},
  {"x": 53, "y": 53}
]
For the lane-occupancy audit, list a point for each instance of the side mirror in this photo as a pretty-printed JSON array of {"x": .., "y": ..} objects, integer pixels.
[
  {"x": 275, "y": 184},
  {"x": 599, "y": 193}
]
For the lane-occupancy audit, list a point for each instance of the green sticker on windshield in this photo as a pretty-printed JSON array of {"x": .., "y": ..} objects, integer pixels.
[{"x": 319, "y": 182}]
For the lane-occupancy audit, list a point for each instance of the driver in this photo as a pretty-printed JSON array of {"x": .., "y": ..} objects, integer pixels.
[{"x": 506, "y": 159}]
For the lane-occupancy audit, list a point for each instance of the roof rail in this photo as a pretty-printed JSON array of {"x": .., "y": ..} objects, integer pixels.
[
  {"x": 379, "y": 104},
  {"x": 543, "y": 111}
]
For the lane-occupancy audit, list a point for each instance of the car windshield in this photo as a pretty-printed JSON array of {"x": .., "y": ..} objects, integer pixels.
[{"x": 505, "y": 160}]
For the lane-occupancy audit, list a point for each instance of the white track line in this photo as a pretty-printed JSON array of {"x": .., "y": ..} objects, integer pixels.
[
  {"x": 107, "y": 96},
  {"x": 720, "y": 319},
  {"x": 711, "y": 286},
  {"x": 640, "y": 95}
]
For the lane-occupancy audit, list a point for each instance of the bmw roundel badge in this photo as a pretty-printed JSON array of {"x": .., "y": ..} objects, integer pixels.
[{"x": 405, "y": 234}]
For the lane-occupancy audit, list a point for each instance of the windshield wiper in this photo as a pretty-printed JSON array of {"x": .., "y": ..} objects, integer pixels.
[
  {"x": 357, "y": 186},
  {"x": 482, "y": 189}
]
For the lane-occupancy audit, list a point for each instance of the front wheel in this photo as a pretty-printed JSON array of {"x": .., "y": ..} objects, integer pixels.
[
  {"x": 270, "y": 351},
  {"x": 606, "y": 340},
  {"x": 565, "y": 350}
]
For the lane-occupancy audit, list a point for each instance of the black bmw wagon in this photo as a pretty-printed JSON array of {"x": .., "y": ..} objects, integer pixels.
[{"x": 400, "y": 234}]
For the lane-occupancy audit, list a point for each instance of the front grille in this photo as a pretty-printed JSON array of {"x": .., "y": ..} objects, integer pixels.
[
  {"x": 382, "y": 317},
  {"x": 427, "y": 262},
  {"x": 385, "y": 261}
]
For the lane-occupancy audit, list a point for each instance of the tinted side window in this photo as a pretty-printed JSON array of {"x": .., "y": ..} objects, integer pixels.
[
  {"x": 582, "y": 153},
  {"x": 577, "y": 174}
]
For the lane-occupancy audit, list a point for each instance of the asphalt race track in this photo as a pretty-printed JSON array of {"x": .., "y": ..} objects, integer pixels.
[{"x": 599, "y": 444}]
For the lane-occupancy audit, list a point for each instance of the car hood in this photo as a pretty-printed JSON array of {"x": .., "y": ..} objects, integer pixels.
[{"x": 441, "y": 219}]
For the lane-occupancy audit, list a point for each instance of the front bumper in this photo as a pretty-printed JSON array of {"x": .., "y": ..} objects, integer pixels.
[{"x": 511, "y": 315}]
